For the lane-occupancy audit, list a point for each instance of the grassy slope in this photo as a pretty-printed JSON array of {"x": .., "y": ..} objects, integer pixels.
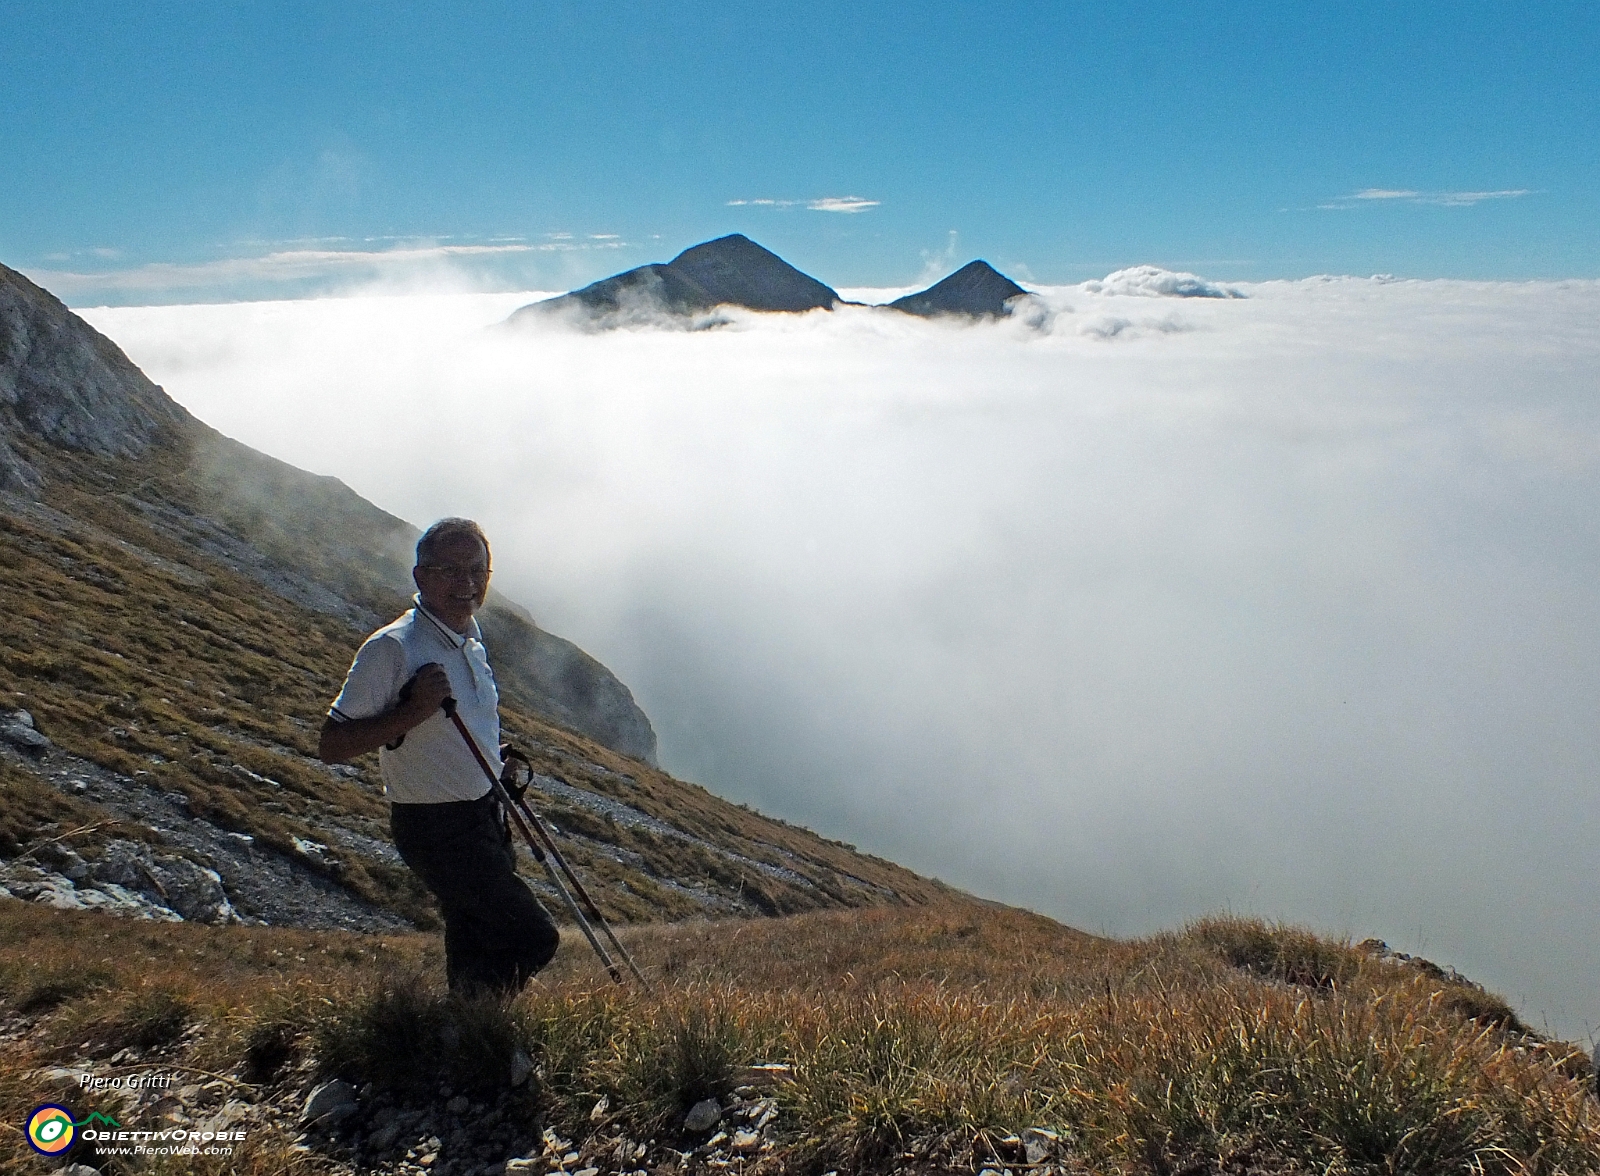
[
  {"x": 921, "y": 1039},
  {"x": 135, "y": 652}
]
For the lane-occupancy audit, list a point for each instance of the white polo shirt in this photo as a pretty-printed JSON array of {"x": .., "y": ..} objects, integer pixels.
[{"x": 433, "y": 763}]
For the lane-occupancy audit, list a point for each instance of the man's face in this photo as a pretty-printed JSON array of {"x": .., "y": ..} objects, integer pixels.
[{"x": 453, "y": 579}]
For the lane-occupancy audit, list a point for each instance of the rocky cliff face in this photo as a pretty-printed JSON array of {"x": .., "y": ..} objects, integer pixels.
[
  {"x": 69, "y": 394},
  {"x": 730, "y": 271}
]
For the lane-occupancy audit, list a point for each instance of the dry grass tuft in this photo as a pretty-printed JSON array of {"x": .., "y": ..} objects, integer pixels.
[
  {"x": 151, "y": 1018},
  {"x": 406, "y": 1036},
  {"x": 34, "y": 990}
]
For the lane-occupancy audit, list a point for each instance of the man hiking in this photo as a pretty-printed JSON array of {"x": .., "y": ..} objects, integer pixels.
[{"x": 446, "y": 822}]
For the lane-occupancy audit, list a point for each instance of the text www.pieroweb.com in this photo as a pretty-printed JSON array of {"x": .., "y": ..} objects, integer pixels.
[{"x": 176, "y": 1142}]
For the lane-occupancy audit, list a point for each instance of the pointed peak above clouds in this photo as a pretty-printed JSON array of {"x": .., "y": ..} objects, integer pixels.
[
  {"x": 729, "y": 271},
  {"x": 735, "y": 270},
  {"x": 976, "y": 290}
]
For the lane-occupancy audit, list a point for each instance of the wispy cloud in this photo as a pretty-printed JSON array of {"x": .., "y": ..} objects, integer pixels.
[
  {"x": 103, "y": 252},
  {"x": 1474, "y": 197},
  {"x": 819, "y": 204},
  {"x": 1413, "y": 196},
  {"x": 299, "y": 265},
  {"x": 936, "y": 265},
  {"x": 841, "y": 204}
]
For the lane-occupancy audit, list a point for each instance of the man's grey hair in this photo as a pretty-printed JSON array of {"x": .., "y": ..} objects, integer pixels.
[{"x": 446, "y": 529}]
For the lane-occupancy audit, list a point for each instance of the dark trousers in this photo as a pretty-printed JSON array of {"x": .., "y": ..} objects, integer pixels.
[{"x": 496, "y": 933}]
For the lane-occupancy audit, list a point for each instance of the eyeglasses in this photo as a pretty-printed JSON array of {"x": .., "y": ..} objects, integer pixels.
[{"x": 456, "y": 572}]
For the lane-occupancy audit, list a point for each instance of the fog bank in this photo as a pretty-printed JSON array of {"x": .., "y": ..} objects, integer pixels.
[{"x": 1286, "y": 603}]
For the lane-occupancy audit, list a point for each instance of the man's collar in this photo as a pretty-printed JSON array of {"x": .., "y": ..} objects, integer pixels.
[{"x": 456, "y": 639}]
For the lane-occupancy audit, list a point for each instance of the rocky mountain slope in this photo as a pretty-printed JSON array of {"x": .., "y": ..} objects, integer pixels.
[
  {"x": 64, "y": 383},
  {"x": 179, "y": 610}
]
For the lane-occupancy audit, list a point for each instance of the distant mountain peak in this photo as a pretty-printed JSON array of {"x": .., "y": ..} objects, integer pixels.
[
  {"x": 728, "y": 271},
  {"x": 976, "y": 290},
  {"x": 731, "y": 244},
  {"x": 735, "y": 270}
]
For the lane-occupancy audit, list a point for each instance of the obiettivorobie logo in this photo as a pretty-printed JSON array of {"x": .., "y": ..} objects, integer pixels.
[{"x": 52, "y": 1129}]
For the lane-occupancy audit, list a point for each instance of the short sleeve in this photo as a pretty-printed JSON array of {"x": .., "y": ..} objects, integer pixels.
[{"x": 374, "y": 681}]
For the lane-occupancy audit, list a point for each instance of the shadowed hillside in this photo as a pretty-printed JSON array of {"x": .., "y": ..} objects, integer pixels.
[
  {"x": 183, "y": 698},
  {"x": 68, "y": 396}
]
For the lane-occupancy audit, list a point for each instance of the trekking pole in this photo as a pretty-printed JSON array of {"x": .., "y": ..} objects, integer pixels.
[
  {"x": 449, "y": 706},
  {"x": 594, "y": 907}
]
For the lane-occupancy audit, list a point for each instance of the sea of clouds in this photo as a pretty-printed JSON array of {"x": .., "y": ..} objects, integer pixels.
[{"x": 1283, "y": 600}]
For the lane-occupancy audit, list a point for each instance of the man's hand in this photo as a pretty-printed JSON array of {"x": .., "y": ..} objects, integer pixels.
[
  {"x": 424, "y": 694},
  {"x": 420, "y": 698}
]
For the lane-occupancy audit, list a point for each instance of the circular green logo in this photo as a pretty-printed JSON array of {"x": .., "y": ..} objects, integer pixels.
[{"x": 50, "y": 1129}]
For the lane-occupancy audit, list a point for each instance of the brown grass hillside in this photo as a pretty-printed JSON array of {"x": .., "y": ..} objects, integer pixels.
[{"x": 942, "y": 1038}]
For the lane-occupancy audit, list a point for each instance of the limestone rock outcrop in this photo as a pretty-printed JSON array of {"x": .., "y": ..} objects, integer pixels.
[{"x": 63, "y": 382}]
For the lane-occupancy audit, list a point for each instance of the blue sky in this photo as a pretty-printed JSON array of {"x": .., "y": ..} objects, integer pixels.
[{"x": 187, "y": 151}]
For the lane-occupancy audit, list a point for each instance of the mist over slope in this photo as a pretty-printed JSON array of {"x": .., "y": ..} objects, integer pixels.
[{"x": 1285, "y": 602}]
